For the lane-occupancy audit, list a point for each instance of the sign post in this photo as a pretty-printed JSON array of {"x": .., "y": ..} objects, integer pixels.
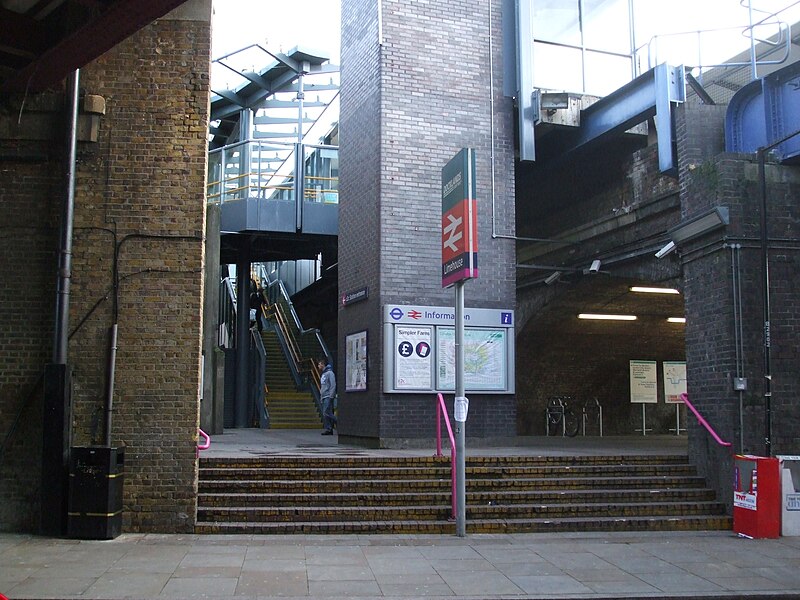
[{"x": 459, "y": 263}]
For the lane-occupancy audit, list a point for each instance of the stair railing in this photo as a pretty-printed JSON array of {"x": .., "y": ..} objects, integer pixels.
[
  {"x": 703, "y": 422},
  {"x": 259, "y": 389},
  {"x": 441, "y": 409},
  {"x": 300, "y": 345}
]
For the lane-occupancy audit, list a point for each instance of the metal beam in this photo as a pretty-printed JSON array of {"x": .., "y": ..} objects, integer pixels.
[
  {"x": 652, "y": 94},
  {"x": 527, "y": 145},
  {"x": 119, "y": 21}
]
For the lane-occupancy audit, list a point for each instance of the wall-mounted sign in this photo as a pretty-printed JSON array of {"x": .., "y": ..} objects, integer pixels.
[
  {"x": 413, "y": 358},
  {"x": 459, "y": 219},
  {"x": 674, "y": 381},
  {"x": 419, "y": 349},
  {"x": 644, "y": 381},
  {"x": 356, "y": 362},
  {"x": 355, "y": 296}
]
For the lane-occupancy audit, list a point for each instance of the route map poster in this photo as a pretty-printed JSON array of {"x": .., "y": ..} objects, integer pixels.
[
  {"x": 644, "y": 385},
  {"x": 484, "y": 359},
  {"x": 356, "y": 362},
  {"x": 674, "y": 381},
  {"x": 413, "y": 363}
]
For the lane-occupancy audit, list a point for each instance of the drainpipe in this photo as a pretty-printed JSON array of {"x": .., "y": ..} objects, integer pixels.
[
  {"x": 67, "y": 219},
  {"x": 56, "y": 417}
]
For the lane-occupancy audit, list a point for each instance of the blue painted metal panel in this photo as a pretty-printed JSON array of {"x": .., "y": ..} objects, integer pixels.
[
  {"x": 652, "y": 94},
  {"x": 765, "y": 111}
]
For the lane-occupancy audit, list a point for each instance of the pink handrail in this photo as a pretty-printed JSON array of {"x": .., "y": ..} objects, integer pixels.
[
  {"x": 206, "y": 444},
  {"x": 442, "y": 409},
  {"x": 703, "y": 422}
]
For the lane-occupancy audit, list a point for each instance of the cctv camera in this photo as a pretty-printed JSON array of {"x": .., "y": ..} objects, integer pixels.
[
  {"x": 666, "y": 250},
  {"x": 595, "y": 266}
]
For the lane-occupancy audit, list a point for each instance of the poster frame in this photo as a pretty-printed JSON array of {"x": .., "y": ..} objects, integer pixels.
[{"x": 362, "y": 363}]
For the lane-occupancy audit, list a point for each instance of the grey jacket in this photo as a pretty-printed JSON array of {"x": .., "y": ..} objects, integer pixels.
[{"x": 327, "y": 383}]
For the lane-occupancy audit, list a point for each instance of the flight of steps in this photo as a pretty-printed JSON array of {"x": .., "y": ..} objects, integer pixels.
[
  {"x": 509, "y": 494},
  {"x": 288, "y": 407}
]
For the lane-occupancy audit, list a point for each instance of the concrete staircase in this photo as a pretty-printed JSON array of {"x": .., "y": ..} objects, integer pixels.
[
  {"x": 289, "y": 408},
  {"x": 508, "y": 494}
]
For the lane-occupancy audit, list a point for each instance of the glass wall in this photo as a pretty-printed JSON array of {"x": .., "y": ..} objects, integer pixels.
[{"x": 582, "y": 46}]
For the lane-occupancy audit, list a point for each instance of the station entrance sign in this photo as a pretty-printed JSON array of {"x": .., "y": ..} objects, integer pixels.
[{"x": 459, "y": 219}]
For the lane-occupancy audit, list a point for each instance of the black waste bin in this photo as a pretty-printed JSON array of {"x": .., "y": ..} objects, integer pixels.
[{"x": 95, "y": 492}]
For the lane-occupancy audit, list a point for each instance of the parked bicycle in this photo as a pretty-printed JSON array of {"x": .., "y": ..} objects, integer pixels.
[{"x": 560, "y": 418}]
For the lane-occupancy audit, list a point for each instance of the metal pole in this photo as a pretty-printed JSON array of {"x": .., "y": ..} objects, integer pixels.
[
  {"x": 460, "y": 425},
  {"x": 109, "y": 398},
  {"x": 65, "y": 243}
]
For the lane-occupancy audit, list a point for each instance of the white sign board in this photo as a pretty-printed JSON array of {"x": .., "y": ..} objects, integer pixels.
[
  {"x": 674, "y": 381},
  {"x": 644, "y": 381},
  {"x": 413, "y": 358}
]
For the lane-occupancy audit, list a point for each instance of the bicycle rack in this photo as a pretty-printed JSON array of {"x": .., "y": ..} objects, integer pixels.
[
  {"x": 594, "y": 411},
  {"x": 556, "y": 413}
]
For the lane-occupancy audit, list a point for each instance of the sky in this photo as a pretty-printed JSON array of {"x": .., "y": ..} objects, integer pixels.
[
  {"x": 277, "y": 25},
  {"x": 283, "y": 24}
]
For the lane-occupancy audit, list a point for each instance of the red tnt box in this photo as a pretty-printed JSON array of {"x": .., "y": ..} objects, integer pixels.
[{"x": 756, "y": 497}]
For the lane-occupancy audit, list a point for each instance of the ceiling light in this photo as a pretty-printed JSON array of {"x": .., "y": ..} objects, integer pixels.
[
  {"x": 676, "y": 319},
  {"x": 607, "y": 317},
  {"x": 654, "y": 290}
]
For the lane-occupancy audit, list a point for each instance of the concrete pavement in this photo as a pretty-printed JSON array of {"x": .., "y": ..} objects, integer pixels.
[
  {"x": 601, "y": 565},
  {"x": 592, "y": 565}
]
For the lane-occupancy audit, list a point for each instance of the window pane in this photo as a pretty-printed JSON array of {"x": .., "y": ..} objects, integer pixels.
[
  {"x": 557, "y": 68},
  {"x": 606, "y": 73},
  {"x": 556, "y": 21},
  {"x": 607, "y": 25}
]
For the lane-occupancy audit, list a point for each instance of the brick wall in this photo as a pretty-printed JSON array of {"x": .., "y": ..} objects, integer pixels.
[
  {"x": 723, "y": 281},
  {"x": 28, "y": 239},
  {"x": 140, "y": 207},
  {"x": 408, "y": 105}
]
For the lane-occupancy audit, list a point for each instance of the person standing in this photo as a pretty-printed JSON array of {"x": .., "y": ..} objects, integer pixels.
[{"x": 327, "y": 392}]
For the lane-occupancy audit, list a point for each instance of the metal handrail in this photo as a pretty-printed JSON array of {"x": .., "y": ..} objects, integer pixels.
[
  {"x": 205, "y": 445},
  {"x": 703, "y": 422},
  {"x": 442, "y": 409},
  {"x": 287, "y": 322}
]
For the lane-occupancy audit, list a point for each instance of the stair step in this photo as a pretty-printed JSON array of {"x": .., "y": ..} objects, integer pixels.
[
  {"x": 444, "y": 497},
  {"x": 442, "y": 512},
  {"x": 412, "y": 494},
  {"x": 400, "y": 485},
  {"x": 442, "y": 472},
  {"x": 305, "y": 461},
  {"x": 690, "y": 523}
]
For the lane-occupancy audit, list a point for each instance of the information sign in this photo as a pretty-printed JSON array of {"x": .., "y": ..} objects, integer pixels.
[
  {"x": 643, "y": 381},
  {"x": 674, "y": 381},
  {"x": 484, "y": 358},
  {"x": 413, "y": 361}
]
